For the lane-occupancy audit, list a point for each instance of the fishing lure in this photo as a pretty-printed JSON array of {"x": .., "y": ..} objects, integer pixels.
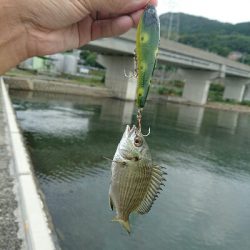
[
  {"x": 136, "y": 181},
  {"x": 147, "y": 42}
]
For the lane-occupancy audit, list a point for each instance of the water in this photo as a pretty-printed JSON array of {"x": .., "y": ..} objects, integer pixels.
[{"x": 206, "y": 201}]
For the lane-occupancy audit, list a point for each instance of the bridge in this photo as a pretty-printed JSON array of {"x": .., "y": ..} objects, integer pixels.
[{"x": 196, "y": 67}]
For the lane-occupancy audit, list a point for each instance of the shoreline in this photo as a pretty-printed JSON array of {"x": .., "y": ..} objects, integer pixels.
[
  {"x": 69, "y": 87},
  {"x": 211, "y": 105}
]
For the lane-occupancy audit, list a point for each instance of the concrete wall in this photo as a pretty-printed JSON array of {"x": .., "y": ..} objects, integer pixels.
[
  {"x": 36, "y": 226},
  {"x": 55, "y": 87}
]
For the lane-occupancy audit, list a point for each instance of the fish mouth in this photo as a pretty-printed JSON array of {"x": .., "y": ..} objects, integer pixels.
[{"x": 130, "y": 130}]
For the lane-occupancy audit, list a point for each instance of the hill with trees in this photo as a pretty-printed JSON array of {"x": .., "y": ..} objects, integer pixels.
[{"x": 214, "y": 36}]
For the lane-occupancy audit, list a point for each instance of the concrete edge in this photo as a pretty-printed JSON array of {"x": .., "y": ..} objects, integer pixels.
[
  {"x": 36, "y": 224},
  {"x": 54, "y": 86}
]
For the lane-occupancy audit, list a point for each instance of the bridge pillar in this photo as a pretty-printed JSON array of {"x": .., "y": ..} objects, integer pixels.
[
  {"x": 247, "y": 93},
  {"x": 197, "y": 84},
  {"x": 122, "y": 87},
  {"x": 234, "y": 88}
]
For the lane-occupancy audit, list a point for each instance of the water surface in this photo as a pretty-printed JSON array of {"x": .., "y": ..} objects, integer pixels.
[{"x": 206, "y": 201}]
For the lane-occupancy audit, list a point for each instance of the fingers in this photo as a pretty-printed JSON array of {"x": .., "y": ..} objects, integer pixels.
[
  {"x": 136, "y": 17},
  {"x": 118, "y": 7},
  {"x": 107, "y": 15},
  {"x": 153, "y": 2},
  {"x": 111, "y": 27},
  {"x": 108, "y": 24}
]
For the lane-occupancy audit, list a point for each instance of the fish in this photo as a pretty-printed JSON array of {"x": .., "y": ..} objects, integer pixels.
[
  {"x": 135, "y": 180},
  {"x": 147, "y": 42}
]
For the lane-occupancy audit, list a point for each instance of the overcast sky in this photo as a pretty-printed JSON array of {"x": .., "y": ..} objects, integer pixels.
[{"x": 232, "y": 11}]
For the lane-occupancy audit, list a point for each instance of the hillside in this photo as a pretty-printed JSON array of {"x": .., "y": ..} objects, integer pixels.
[{"x": 211, "y": 35}]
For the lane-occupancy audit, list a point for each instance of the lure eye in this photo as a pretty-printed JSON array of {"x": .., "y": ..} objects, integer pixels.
[
  {"x": 138, "y": 141},
  {"x": 151, "y": 11}
]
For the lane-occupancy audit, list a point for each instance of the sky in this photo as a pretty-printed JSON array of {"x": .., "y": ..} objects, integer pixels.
[{"x": 231, "y": 11}]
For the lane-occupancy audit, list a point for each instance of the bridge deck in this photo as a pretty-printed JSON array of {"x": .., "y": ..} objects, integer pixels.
[{"x": 171, "y": 52}]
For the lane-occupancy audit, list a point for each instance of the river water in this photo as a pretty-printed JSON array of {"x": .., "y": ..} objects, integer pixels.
[{"x": 204, "y": 205}]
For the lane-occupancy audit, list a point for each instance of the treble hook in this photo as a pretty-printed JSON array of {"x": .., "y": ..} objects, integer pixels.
[
  {"x": 131, "y": 75},
  {"x": 139, "y": 119},
  {"x": 147, "y": 133},
  {"x": 135, "y": 74}
]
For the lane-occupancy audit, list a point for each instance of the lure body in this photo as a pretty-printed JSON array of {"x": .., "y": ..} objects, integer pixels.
[{"x": 147, "y": 41}]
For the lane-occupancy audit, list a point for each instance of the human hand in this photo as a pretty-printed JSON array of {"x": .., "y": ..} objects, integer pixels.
[
  {"x": 62, "y": 24},
  {"x": 50, "y": 26}
]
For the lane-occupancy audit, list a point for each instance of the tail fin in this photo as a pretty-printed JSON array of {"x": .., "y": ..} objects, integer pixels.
[{"x": 125, "y": 224}]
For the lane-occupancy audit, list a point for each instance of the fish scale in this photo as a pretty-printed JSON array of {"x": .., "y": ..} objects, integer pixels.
[{"x": 130, "y": 185}]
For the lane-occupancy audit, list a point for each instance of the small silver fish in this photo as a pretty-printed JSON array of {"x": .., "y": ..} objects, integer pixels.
[{"x": 135, "y": 179}]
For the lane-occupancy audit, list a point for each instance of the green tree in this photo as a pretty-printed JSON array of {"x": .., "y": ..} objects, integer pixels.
[{"x": 89, "y": 57}]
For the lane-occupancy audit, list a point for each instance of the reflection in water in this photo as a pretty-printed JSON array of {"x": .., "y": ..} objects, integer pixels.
[
  {"x": 190, "y": 117},
  {"x": 228, "y": 120},
  {"x": 205, "y": 204},
  {"x": 64, "y": 121},
  {"x": 117, "y": 111}
]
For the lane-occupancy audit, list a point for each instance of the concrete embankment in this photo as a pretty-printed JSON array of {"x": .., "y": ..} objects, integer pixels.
[
  {"x": 9, "y": 238},
  {"x": 54, "y": 86},
  {"x": 33, "y": 224}
]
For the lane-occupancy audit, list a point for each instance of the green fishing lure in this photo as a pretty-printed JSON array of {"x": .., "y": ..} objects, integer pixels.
[{"x": 147, "y": 42}]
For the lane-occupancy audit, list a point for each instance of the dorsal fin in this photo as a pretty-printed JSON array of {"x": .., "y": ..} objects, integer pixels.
[{"x": 157, "y": 178}]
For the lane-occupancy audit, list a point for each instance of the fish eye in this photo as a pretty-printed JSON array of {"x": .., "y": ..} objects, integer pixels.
[{"x": 137, "y": 141}]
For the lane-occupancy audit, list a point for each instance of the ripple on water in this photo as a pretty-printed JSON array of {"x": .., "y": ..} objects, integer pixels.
[{"x": 204, "y": 205}]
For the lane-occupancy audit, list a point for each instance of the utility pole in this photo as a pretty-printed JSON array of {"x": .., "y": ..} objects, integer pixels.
[{"x": 174, "y": 22}]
